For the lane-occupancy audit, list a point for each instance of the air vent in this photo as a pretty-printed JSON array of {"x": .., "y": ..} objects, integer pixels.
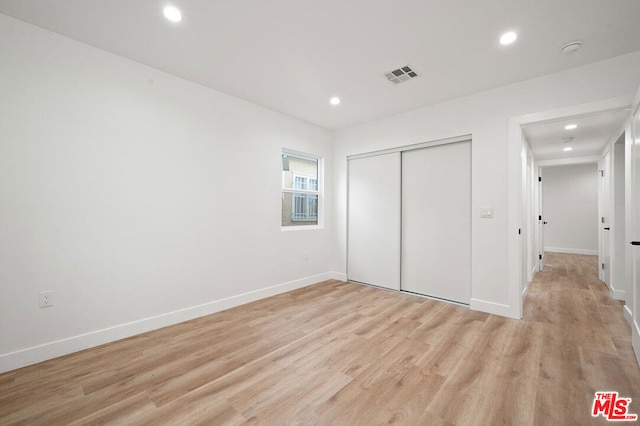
[{"x": 401, "y": 74}]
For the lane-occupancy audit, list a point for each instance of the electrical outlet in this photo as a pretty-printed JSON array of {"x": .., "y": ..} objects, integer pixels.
[{"x": 46, "y": 299}]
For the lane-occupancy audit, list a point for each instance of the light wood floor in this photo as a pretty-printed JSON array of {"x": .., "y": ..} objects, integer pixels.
[{"x": 338, "y": 353}]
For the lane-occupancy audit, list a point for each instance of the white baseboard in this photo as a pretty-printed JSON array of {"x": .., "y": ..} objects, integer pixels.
[
  {"x": 617, "y": 294},
  {"x": 340, "y": 276},
  {"x": 570, "y": 250},
  {"x": 628, "y": 315},
  {"x": 635, "y": 340},
  {"x": 33, "y": 355},
  {"x": 492, "y": 308},
  {"x": 533, "y": 273}
]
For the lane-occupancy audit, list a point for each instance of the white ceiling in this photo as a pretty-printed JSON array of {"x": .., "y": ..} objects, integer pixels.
[
  {"x": 594, "y": 131},
  {"x": 293, "y": 55}
]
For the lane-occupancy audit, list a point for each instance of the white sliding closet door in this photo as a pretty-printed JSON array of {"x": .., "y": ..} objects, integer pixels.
[
  {"x": 374, "y": 220},
  {"x": 436, "y": 221}
]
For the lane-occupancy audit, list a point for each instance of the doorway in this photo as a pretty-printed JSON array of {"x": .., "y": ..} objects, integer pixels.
[
  {"x": 557, "y": 148},
  {"x": 569, "y": 209}
]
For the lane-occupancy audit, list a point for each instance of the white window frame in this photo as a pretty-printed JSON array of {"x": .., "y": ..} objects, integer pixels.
[{"x": 319, "y": 192}]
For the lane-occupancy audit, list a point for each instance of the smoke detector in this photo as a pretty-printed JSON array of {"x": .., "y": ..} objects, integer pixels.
[{"x": 401, "y": 74}]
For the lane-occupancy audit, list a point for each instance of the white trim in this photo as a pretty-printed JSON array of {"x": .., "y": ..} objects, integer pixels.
[
  {"x": 635, "y": 340},
  {"x": 492, "y": 308},
  {"x": 320, "y": 191},
  {"x": 627, "y": 314},
  {"x": 33, "y": 355},
  {"x": 611, "y": 104},
  {"x": 534, "y": 271},
  {"x": 300, "y": 228},
  {"x": 340, "y": 276},
  {"x": 300, "y": 191},
  {"x": 568, "y": 161},
  {"x": 514, "y": 219},
  {"x": 299, "y": 154},
  {"x": 571, "y": 250},
  {"x": 463, "y": 138},
  {"x": 617, "y": 294}
]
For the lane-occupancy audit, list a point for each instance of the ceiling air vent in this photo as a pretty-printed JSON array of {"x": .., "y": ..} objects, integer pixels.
[{"x": 401, "y": 74}]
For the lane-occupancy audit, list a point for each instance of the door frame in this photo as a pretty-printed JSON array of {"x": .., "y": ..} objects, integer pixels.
[
  {"x": 540, "y": 221},
  {"x": 629, "y": 225},
  {"x": 516, "y": 215},
  {"x": 604, "y": 217},
  {"x": 401, "y": 149}
]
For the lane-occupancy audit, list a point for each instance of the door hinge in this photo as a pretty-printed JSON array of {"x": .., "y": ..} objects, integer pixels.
[
  {"x": 603, "y": 266},
  {"x": 540, "y": 256},
  {"x": 601, "y": 173},
  {"x": 519, "y": 231},
  {"x": 539, "y": 178},
  {"x": 540, "y": 217}
]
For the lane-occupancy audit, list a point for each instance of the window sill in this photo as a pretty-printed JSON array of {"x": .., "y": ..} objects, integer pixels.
[{"x": 301, "y": 228}]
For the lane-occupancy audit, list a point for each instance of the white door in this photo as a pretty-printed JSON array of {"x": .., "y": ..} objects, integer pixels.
[
  {"x": 635, "y": 224},
  {"x": 436, "y": 221},
  {"x": 526, "y": 209},
  {"x": 541, "y": 222},
  {"x": 605, "y": 220},
  {"x": 373, "y": 236}
]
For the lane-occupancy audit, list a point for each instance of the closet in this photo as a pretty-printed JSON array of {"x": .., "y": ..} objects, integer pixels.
[{"x": 409, "y": 219}]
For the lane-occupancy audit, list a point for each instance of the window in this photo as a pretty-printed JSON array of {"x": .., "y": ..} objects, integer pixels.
[
  {"x": 300, "y": 190},
  {"x": 305, "y": 206}
]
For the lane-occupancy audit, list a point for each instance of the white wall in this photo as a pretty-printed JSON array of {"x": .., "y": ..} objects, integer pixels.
[
  {"x": 570, "y": 208},
  {"x": 139, "y": 198},
  {"x": 486, "y": 117}
]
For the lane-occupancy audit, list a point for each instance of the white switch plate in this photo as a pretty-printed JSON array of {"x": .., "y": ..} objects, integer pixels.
[{"x": 486, "y": 212}]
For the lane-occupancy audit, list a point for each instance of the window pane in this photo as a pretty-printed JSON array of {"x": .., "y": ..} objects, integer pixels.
[
  {"x": 299, "y": 209},
  {"x": 299, "y": 172},
  {"x": 300, "y": 182}
]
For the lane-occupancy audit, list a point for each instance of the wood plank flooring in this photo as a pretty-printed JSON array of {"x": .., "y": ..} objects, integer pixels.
[{"x": 338, "y": 353}]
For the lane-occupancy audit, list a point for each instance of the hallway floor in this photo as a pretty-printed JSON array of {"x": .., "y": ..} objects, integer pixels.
[{"x": 586, "y": 340}]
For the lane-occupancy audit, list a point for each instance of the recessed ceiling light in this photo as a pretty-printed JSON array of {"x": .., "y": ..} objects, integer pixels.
[
  {"x": 567, "y": 148},
  {"x": 172, "y": 14},
  {"x": 569, "y": 48},
  {"x": 570, "y": 126},
  {"x": 508, "y": 38},
  {"x": 334, "y": 101}
]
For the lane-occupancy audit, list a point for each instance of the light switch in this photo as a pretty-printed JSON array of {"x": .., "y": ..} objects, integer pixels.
[{"x": 486, "y": 212}]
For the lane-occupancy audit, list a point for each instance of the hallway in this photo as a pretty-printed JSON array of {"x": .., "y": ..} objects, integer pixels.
[{"x": 586, "y": 340}]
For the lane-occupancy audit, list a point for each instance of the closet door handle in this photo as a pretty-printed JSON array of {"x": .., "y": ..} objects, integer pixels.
[
  {"x": 635, "y": 243},
  {"x": 607, "y": 229}
]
